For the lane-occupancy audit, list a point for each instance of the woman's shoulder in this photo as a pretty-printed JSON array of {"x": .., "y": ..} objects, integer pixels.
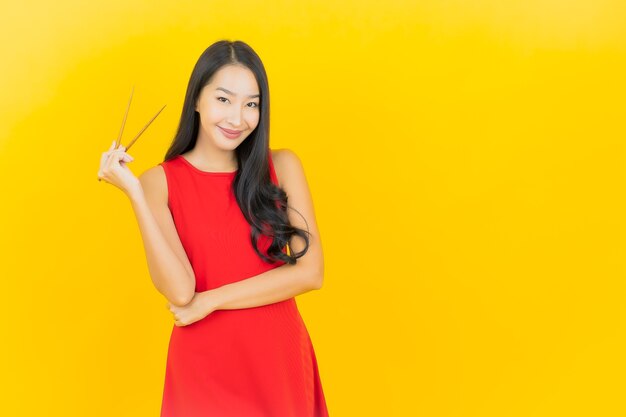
[
  {"x": 154, "y": 182},
  {"x": 287, "y": 164}
]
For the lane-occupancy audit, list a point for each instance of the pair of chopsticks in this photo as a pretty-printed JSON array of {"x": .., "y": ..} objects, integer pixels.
[
  {"x": 119, "y": 138},
  {"x": 117, "y": 142}
]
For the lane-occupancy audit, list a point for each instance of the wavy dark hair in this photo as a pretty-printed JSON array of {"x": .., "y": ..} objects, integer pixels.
[{"x": 263, "y": 204}]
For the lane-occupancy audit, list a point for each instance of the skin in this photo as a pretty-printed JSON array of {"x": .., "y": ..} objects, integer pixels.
[
  {"x": 213, "y": 151},
  {"x": 169, "y": 266}
]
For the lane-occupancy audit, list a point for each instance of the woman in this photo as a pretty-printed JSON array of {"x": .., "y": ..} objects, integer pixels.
[{"x": 227, "y": 251}]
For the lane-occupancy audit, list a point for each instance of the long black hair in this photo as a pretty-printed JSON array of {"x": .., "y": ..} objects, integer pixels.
[{"x": 263, "y": 204}]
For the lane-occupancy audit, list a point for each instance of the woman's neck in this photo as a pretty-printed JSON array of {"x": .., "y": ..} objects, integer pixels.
[{"x": 212, "y": 159}]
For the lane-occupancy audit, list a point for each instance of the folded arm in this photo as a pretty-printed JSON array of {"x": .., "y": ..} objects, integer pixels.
[
  {"x": 169, "y": 267},
  {"x": 275, "y": 285}
]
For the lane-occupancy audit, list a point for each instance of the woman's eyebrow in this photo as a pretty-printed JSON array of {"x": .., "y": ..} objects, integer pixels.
[{"x": 230, "y": 92}]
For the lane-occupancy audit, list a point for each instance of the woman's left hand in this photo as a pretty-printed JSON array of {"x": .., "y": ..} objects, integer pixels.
[{"x": 197, "y": 309}]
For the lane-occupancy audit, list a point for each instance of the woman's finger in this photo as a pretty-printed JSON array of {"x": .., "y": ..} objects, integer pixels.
[
  {"x": 125, "y": 155},
  {"x": 103, "y": 159},
  {"x": 117, "y": 155},
  {"x": 113, "y": 158},
  {"x": 105, "y": 155}
]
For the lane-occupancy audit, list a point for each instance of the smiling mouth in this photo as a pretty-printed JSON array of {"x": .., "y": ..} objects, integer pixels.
[
  {"x": 232, "y": 132},
  {"x": 226, "y": 133}
]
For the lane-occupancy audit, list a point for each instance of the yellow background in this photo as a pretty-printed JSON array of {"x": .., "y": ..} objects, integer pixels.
[{"x": 466, "y": 160}]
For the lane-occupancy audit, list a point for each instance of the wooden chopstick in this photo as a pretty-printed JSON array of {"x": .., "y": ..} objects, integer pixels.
[
  {"x": 119, "y": 137},
  {"x": 144, "y": 128}
]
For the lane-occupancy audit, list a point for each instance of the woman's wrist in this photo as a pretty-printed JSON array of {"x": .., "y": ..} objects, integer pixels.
[
  {"x": 209, "y": 301},
  {"x": 136, "y": 193}
]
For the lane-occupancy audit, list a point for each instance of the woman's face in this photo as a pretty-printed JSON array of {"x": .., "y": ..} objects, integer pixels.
[{"x": 230, "y": 101}]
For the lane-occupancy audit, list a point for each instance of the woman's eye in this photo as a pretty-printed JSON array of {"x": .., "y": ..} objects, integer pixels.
[{"x": 253, "y": 104}]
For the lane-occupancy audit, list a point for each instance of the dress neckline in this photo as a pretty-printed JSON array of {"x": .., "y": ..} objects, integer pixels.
[{"x": 199, "y": 171}]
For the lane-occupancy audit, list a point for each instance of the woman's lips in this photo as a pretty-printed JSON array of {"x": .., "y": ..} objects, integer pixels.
[{"x": 231, "y": 134}]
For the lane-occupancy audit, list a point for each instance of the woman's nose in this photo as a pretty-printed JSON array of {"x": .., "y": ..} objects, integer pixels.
[{"x": 235, "y": 117}]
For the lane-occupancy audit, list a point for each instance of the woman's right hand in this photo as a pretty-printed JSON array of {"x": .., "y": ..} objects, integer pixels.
[{"x": 113, "y": 170}]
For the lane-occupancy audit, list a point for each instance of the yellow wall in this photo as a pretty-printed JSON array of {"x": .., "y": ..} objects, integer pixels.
[{"x": 467, "y": 165}]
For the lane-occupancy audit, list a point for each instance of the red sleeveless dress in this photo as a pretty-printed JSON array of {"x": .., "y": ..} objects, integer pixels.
[{"x": 250, "y": 362}]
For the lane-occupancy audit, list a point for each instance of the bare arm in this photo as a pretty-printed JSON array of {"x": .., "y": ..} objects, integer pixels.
[
  {"x": 275, "y": 285},
  {"x": 286, "y": 281},
  {"x": 167, "y": 260}
]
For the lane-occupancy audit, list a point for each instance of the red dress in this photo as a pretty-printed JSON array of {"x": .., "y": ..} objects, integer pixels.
[{"x": 250, "y": 362}]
